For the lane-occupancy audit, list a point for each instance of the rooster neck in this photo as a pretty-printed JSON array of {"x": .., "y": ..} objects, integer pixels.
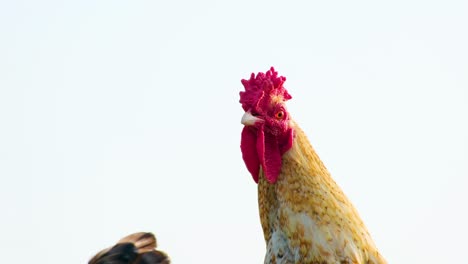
[
  {"x": 300, "y": 160},
  {"x": 305, "y": 207}
]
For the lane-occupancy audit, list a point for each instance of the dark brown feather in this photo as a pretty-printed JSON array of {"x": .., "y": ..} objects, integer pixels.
[{"x": 137, "y": 248}]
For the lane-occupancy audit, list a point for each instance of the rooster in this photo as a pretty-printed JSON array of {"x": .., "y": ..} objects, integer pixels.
[
  {"x": 305, "y": 216},
  {"x": 138, "y": 248}
]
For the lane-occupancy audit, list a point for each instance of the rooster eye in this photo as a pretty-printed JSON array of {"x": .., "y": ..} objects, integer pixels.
[{"x": 279, "y": 115}]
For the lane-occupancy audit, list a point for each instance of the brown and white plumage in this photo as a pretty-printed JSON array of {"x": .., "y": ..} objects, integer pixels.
[
  {"x": 305, "y": 216},
  {"x": 137, "y": 248}
]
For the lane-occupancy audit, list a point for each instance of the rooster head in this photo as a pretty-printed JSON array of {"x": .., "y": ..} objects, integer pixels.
[{"x": 267, "y": 132}]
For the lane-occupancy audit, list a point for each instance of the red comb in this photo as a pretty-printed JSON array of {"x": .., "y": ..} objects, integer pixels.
[{"x": 259, "y": 86}]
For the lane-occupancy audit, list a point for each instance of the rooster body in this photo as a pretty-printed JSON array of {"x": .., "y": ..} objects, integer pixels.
[{"x": 305, "y": 216}]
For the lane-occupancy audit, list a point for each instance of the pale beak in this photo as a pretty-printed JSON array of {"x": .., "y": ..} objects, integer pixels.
[{"x": 249, "y": 120}]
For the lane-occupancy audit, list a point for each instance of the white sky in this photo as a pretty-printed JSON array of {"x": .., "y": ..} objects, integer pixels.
[{"x": 123, "y": 116}]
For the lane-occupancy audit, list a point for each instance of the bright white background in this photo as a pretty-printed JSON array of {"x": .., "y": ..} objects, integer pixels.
[{"x": 123, "y": 116}]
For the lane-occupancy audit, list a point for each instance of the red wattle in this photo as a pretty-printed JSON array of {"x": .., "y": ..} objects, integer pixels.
[
  {"x": 249, "y": 151},
  {"x": 271, "y": 158},
  {"x": 263, "y": 149}
]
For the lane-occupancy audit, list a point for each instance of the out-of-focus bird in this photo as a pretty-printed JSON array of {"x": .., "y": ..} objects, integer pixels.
[
  {"x": 305, "y": 216},
  {"x": 138, "y": 248}
]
